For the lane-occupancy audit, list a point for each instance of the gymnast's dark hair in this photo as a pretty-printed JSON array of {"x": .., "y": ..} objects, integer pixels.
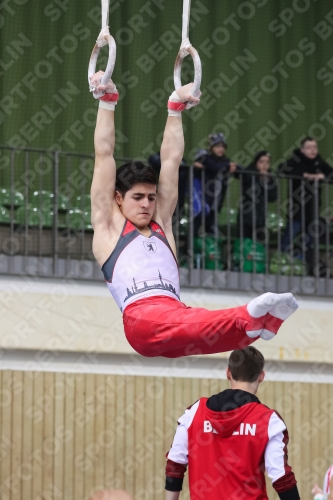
[
  {"x": 246, "y": 364},
  {"x": 133, "y": 173}
]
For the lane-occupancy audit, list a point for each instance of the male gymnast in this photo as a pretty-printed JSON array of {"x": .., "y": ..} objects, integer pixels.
[{"x": 135, "y": 247}]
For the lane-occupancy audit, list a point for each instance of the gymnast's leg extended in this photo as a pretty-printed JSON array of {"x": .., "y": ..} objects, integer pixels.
[{"x": 161, "y": 326}]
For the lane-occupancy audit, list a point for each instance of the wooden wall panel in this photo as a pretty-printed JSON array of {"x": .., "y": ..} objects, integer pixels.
[
  {"x": 100, "y": 425},
  {"x": 38, "y": 414},
  {"x": 91, "y": 406},
  {"x": 6, "y": 435},
  {"x": 59, "y": 433},
  {"x": 72, "y": 423},
  {"x": 48, "y": 443},
  {"x": 17, "y": 420},
  {"x": 107, "y": 437},
  {"x": 81, "y": 417},
  {"x": 65, "y": 435}
]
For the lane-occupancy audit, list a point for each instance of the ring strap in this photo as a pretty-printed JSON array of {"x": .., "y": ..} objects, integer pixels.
[
  {"x": 185, "y": 45},
  {"x": 105, "y": 13},
  {"x": 186, "y": 18}
]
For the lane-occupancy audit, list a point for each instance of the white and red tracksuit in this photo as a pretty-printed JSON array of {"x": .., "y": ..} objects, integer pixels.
[
  {"x": 228, "y": 441},
  {"x": 143, "y": 277}
]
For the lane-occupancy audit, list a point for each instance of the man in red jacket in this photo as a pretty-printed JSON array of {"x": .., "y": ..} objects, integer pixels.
[{"x": 230, "y": 439}]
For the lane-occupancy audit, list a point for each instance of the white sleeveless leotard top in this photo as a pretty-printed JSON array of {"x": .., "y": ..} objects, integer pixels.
[{"x": 141, "y": 266}]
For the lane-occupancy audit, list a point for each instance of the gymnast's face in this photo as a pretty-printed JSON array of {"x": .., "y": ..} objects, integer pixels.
[{"x": 138, "y": 204}]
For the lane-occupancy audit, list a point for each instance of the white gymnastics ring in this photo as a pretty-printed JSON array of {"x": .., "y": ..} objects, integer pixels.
[
  {"x": 101, "y": 41},
  {"x": 185, "y": 50},
  {"x": 197, "y": 70},
  {"x": 104, "y": 38}
]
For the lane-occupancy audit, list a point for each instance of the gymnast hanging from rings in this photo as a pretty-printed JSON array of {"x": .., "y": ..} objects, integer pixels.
[{"x": 134, "y": 243}]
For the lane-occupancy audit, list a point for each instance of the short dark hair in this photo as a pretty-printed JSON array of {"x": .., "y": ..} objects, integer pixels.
[
  {"x": 133, "y": 173},
  {"x": 246, "y": 364},
  {"x": 307, "y": 139}
]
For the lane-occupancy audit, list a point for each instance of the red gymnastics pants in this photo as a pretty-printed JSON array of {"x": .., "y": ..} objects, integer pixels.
[{"x": 162, "y": 326}]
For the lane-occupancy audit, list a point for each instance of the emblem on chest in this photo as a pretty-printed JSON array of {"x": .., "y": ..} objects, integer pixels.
[{"x": 151, "y": 247}]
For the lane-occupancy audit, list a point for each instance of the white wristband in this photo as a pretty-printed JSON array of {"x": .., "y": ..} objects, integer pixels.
[
  {"x": 107, "y": 105},
  {"x": 172, "y": 112},
  {"x": 319, "y": 496},
  {"x": 175, "y": 97}
]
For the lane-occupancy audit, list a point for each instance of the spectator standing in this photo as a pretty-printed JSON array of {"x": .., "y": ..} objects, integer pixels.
[
  {"x": 217, "y": 171},
  {"x": 307, "y": 170},
  {"x": 229, "y": 439},
  {"x": 258, "y": 189}
]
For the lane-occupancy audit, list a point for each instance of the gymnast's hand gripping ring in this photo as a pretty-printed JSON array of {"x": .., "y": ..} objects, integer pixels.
[{"x": 104, "y": 38}]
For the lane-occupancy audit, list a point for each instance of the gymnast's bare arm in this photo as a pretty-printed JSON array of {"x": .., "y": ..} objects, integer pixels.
[
  {"x": 106, "y": 218},
  {"x": 172, "y": 151}
]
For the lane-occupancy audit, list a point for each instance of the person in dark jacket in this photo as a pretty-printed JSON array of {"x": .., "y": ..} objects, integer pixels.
[
  {"x": 217, "y": 172},
  {"x": 258, "y": 189},
  {"x": 307, "y": 170}
]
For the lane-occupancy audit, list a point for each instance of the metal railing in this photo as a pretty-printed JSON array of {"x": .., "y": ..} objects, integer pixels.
[{"x": 242, "y": 232}]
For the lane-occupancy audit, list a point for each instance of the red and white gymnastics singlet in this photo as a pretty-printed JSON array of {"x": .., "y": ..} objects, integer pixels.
[{"x": 141, "y": 267}]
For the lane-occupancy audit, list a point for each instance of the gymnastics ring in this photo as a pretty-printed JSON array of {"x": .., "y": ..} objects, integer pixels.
[
  {"x": 185, "y": 50},
  {"x": 104, "y": 39},
  {"x": 197, "y": 69}
]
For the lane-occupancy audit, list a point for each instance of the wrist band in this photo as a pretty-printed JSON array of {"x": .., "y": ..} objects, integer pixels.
[
  {"x": 110, "y": 106},
  {"x": 110, "y": 97},
  {"x": 176, "y": 106}
]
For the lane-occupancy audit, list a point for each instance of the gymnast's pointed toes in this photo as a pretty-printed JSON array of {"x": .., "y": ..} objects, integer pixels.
[
  {"x": 279, "y": 305},
  {"x": 284, "y": 307},
  {"x": 261, "y": 305}
]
